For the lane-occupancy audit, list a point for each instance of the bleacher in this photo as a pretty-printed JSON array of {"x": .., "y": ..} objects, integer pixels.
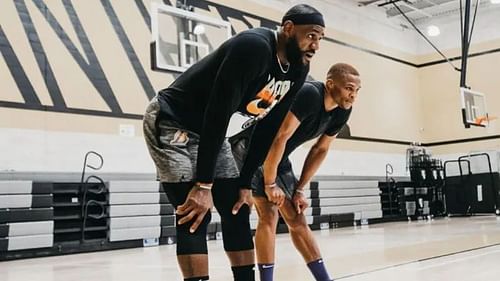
[{"x": 50, "y": 218}]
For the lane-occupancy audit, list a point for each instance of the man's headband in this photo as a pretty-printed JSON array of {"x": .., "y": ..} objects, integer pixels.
[{"x": 300, "y": 19}]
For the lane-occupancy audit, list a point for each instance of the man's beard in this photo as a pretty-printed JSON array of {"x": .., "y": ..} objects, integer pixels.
[{"x": 294, "y": 54}]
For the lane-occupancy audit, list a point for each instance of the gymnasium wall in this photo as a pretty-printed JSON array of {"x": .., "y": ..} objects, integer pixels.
[
  {"x": 441, "y": 103},
  {"x": 72, "y": 73},
  {"x": 76, "y": 76}
]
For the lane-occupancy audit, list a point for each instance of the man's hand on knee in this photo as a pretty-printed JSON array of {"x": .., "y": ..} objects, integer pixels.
[
  {"x": 275, "y": 194},
  {"x": 245, "y": 198},
  {"x": 198, "y": 203},
  {"x": 299, "y": 201}
]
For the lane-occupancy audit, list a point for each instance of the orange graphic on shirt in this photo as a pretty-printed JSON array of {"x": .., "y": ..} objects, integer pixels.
[{"x": 264, "y": 99}]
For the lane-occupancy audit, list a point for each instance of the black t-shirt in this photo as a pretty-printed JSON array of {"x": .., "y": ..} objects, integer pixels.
[
  {"x": 242, "y": 75},
  {"x": 309, "y": 108}
]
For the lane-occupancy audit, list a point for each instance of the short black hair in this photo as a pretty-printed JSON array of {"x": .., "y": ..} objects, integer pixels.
[
  {"x": 301, "y": 10},
  {"x": 340, "y": 71}
]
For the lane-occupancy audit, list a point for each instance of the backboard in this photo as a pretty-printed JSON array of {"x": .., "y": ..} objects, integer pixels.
[
  {"x": 474, "y": 112},
  {"x": 180, "y": 37}
]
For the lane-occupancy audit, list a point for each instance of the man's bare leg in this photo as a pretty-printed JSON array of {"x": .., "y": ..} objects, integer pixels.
[
  {"x": 300, "y": 232},
  {"x": 265, "y": 236},
  {"x": 304, "y": 241}
]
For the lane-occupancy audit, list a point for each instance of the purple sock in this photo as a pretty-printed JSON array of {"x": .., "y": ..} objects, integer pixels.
[
  {"x": 266, "y": 271},
  {"x": 318, "y": 269}
]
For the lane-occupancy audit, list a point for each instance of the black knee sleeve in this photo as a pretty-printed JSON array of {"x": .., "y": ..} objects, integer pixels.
[
  {"x": 236, "y": 232},
  {"x": 187, "y": 243},
  {"x": 192, "y": 243}
]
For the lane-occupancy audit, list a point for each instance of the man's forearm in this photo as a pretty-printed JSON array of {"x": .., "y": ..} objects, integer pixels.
[
  {"x": 261, "y": 141},
  {"x": 208, "y": 150},
  {"x": 311, "y": 165},
  {"x": 273, "y": 159}
]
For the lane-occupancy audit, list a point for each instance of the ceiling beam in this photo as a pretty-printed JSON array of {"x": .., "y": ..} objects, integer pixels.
[{"x": 417, "y": 10}]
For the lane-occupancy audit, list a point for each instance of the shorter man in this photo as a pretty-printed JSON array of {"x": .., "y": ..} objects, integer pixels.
[{"x": 320, "y": 109}]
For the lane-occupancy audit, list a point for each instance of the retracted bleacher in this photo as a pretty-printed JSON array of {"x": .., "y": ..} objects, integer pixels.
[
  {"x": 51, "y": 218},
  {"x": 26, "y": 216},
  {"x": 140, "y": 210},
  {"x": 338, "y": 203}
]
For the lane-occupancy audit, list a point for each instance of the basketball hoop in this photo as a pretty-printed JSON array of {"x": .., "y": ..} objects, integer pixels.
[
  {"x": 474, "y": 112},
  {"x": 484, "y": 120}
]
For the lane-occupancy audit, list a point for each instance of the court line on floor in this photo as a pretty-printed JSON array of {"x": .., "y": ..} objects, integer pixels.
[
  {"x": 416, "y": 261},
  {"x": 445, "y": 262}
]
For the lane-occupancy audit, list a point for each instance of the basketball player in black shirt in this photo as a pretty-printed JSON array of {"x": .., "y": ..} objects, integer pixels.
[
  {"x": 319, "y": 109},
  {"x": 185, "y": 126}
]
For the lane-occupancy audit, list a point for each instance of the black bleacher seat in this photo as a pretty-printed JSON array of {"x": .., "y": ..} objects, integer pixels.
[{"x": 26, "y": 214}]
